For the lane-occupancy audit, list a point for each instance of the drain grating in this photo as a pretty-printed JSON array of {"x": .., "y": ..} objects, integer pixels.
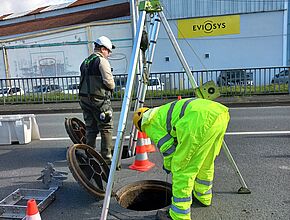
[{"x": 145, "y": 195}]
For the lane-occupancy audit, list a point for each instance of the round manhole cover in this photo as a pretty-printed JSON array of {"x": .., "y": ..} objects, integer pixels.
[
  {"x": 76, "y": 130},
  {"x": 88, "y": 168}
]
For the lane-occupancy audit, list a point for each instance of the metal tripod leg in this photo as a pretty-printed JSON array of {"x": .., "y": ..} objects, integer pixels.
[
  {"x": 244, "y": 189},
  {"x": 124, "y": 112},
  {"x": 133, "y": 134},
  {"x": 142, "y": 88}
]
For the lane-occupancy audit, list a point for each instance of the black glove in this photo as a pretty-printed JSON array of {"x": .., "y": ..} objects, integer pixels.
[{"x": 167, "y": 171}]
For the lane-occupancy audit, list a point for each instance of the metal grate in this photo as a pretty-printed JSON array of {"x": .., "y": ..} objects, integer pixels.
[{"x": 14, "y": 205}]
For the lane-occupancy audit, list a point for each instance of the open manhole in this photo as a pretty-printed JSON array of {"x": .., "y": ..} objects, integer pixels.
[{"x": 146, "y": 195}]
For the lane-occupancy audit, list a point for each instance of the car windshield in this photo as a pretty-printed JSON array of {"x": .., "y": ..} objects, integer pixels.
[
  {"x": 73, "y": 86},
  {"x": 237, "y": 74},
  {"x": 153, "y": 82},
  {"x": 4, "y": 90},
  {"x": 15, "y": 89},
  {"x": 54, "y": 87},
  {"x": 282, "y": 73},
  {"x": 39, "y": 88}
]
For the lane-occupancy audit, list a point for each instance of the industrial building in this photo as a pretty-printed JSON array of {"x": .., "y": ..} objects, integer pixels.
[{"x": 213, "y": 34}]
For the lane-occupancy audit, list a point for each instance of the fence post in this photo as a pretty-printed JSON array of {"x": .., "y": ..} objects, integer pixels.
[
  {"x": 6, "y": 64},
  {"x": 289, "y": 81}
]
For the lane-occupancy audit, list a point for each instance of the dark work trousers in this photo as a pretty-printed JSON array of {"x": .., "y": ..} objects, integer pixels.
[{"x": 91, "y": 113}]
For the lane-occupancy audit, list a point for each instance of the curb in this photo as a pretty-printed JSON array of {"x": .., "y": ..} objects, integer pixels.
[{"x": 73, "y": 107}]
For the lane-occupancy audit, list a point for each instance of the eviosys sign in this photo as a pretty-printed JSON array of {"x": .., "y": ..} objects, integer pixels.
[{"x": 209, "y": 26}]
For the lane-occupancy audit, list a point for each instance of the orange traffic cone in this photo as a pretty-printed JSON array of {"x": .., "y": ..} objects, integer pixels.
[
  {"x": 32, "y": 212},
  {"x": 141, "y": 162},
  {"x": 179, "y": 97},
  {"x": 149, "y": 146}
]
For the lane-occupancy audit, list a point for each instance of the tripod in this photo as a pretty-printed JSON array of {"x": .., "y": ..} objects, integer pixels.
[{"x": 154, "y": 8}]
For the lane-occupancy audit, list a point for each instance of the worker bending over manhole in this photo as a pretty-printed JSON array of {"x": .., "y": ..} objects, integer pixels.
[{"x": 189, "y": 133}]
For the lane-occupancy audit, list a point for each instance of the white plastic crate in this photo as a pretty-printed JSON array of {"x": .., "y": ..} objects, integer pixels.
[{"x": 19, "y": 129}]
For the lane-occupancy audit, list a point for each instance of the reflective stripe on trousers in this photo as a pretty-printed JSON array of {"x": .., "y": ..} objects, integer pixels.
[{"x": 181, "y": 206}]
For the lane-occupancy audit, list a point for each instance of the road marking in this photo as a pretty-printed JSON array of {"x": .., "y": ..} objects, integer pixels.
[
  {"x": 67, "y": 138},
  {"x": 55, "y": 139},
  {"x": 284, "y": 167},
  {"x": 258, "y": 133},
  {"x": 227, "y": 133},
  {"x": 258, "y": 107}
]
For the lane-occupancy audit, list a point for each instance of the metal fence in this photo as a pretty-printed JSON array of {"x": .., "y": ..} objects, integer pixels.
[{"x": 231, "y": 82}]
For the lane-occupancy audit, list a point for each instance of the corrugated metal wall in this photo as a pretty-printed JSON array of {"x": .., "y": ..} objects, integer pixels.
[{"x": 198, "y": 8}]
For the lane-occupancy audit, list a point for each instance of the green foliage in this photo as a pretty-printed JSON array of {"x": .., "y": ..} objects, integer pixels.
[
  {"x": 254, "y": 90},
  {"x": 150, "y": 94},
  {"x": 39, "y": 98}
]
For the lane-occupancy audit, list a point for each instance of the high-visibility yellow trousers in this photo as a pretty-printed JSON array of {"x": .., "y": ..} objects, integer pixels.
[{"x": 197, "y": 177}]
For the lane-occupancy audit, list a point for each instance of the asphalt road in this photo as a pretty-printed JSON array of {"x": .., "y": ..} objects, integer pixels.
[
  {"x": 242, "y": 119},
  {"x": 258, "y": 138}
]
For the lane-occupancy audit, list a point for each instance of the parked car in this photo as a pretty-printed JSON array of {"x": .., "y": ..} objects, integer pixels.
[
  {"x": 154, "y": 83},
  {"x": 46, "y": 88},
  {"x": 235, "y": 77},
  {"x": 120, "y": 83},
  {"x": 9, "y": 91},
  {"x": 72, "y": 89},
  {"x": 281, "y": 77}
]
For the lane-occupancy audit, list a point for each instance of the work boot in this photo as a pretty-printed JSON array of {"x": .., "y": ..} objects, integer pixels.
[
  {"x": 197, "y": 202},
  {"x": 163, "y": 214}
]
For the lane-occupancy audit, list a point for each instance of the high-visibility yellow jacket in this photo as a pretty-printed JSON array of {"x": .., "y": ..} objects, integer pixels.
[{"x": 180, "y": 125}]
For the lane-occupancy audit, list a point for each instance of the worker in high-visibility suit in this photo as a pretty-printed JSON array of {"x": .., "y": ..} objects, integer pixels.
[{"x": 189, "y": 134}]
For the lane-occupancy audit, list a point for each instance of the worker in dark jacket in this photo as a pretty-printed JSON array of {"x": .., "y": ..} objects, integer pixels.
[
  {"x": 96, "y": 87},
  {"x": 189, "y": 134}
]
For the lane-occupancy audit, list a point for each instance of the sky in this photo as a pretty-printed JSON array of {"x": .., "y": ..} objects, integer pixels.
[{"x": 16, "y": 6}]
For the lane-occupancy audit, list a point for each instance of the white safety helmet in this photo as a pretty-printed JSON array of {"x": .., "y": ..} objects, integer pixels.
[{"x": 106, "y": 42}]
